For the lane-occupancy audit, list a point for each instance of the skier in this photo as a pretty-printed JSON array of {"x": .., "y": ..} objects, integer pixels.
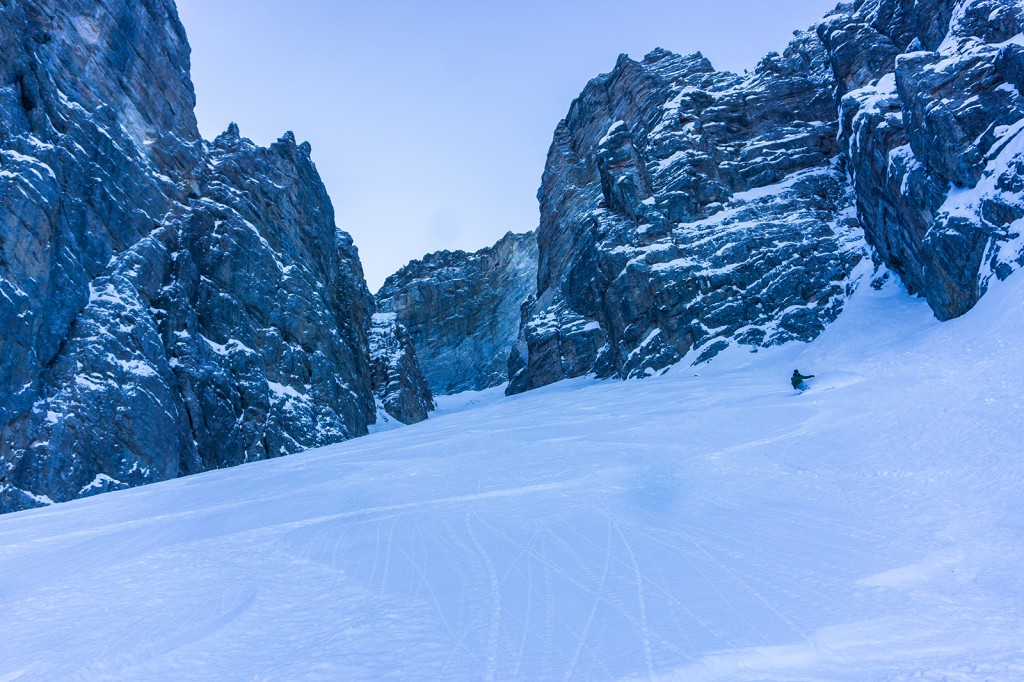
[{"x": 798, "y": 380}]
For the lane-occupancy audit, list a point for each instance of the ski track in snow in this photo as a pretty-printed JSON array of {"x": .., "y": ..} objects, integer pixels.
[{"x": 706, "y": 525}]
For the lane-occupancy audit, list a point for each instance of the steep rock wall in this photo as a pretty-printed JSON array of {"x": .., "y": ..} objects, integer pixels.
[
  {"x": 398, "y": 384},
  {"x": 684, "y": 210},
  {"x": 462, "y": 310},
  {"x": 167, "y": 306},
  {"x": 931, "y": 130}
]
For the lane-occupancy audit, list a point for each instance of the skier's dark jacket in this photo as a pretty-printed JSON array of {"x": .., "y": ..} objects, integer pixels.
[{"x": 799, "y": 378}]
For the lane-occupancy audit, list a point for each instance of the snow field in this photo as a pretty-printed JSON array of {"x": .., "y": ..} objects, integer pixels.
[{"x": 710, "y": 524}]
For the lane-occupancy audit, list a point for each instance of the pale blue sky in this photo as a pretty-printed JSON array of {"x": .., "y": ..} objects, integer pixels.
[{"x": 430, "y": 121}]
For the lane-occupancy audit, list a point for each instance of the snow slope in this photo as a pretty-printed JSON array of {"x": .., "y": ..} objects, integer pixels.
[{"x": 709, "y": 524}]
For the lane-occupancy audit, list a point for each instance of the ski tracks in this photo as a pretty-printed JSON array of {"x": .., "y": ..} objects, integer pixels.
[
  {"x": 494, "y": 600},
  {"x": 593, "y": 609},
  {"x": 641, "y": 599}
]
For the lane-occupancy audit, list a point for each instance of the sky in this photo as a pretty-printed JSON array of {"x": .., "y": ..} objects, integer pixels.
[{"x": 430, "y": 121}]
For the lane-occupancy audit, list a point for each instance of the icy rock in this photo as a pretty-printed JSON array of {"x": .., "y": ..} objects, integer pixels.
[
  {"x": 395, "y": 373},
  {"x": 167, "y": 306},
  {"x": 462, "y": 310}
]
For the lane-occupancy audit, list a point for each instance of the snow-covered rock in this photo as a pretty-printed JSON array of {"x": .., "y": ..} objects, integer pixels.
[
  {"x": 931, "y": 132},
  {"x": 398, "y": 384},
  {"x": 167, "y": 305},
  {"x": 684, "y": 210},
  {"x": 462, "y": 310}
]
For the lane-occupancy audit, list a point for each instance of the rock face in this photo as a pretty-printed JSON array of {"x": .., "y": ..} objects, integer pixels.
[
  {"x": 398, "y": 384},
  {"x": 462, "y": 310},
  {"x": 167, "y": 306},
  {"x": 685, "y": 210},
  {"x": 682, "y": 210},
  {"x": 931, "y": 114}
]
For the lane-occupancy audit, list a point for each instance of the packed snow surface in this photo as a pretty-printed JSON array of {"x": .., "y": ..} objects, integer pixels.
[{"x": 710, "y": 524}]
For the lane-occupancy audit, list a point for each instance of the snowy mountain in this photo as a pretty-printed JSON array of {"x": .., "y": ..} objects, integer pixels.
[
  {"x": 709, "y": 524},
  {"x": 685, "y": 210},
  {"x": 929, "y": 119},
  {"x": 170, "y": 305},
  {"x": 167, "y": 305}
]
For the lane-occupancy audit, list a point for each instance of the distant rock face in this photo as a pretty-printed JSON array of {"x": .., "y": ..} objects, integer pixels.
[
  {"x": 398, "y": 384},
  {"x": 685, "y": 210},
  {"x": 167, "y": 306},
  {"x": 462, "y": 310}
]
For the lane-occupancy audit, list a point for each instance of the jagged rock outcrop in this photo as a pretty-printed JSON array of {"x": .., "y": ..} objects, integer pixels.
[
  {"x": 167, "y": 306},
  {"x": 684, "y": 210},
  {"x": 462, "y": 310},
  {"x": 931, "y": 129},
  {"x": 398, "y": 385}
]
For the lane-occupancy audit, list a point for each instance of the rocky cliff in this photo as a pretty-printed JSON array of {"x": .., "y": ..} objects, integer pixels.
[
  {"x": 169, "y": 305},
  {"x": 684, "y": 210},
  {"x": 930, "y": 115},
  {"x": 166, "y": 305},
  {"x": 462, "y": 310},
  {"x": 398, "y": 384}
]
